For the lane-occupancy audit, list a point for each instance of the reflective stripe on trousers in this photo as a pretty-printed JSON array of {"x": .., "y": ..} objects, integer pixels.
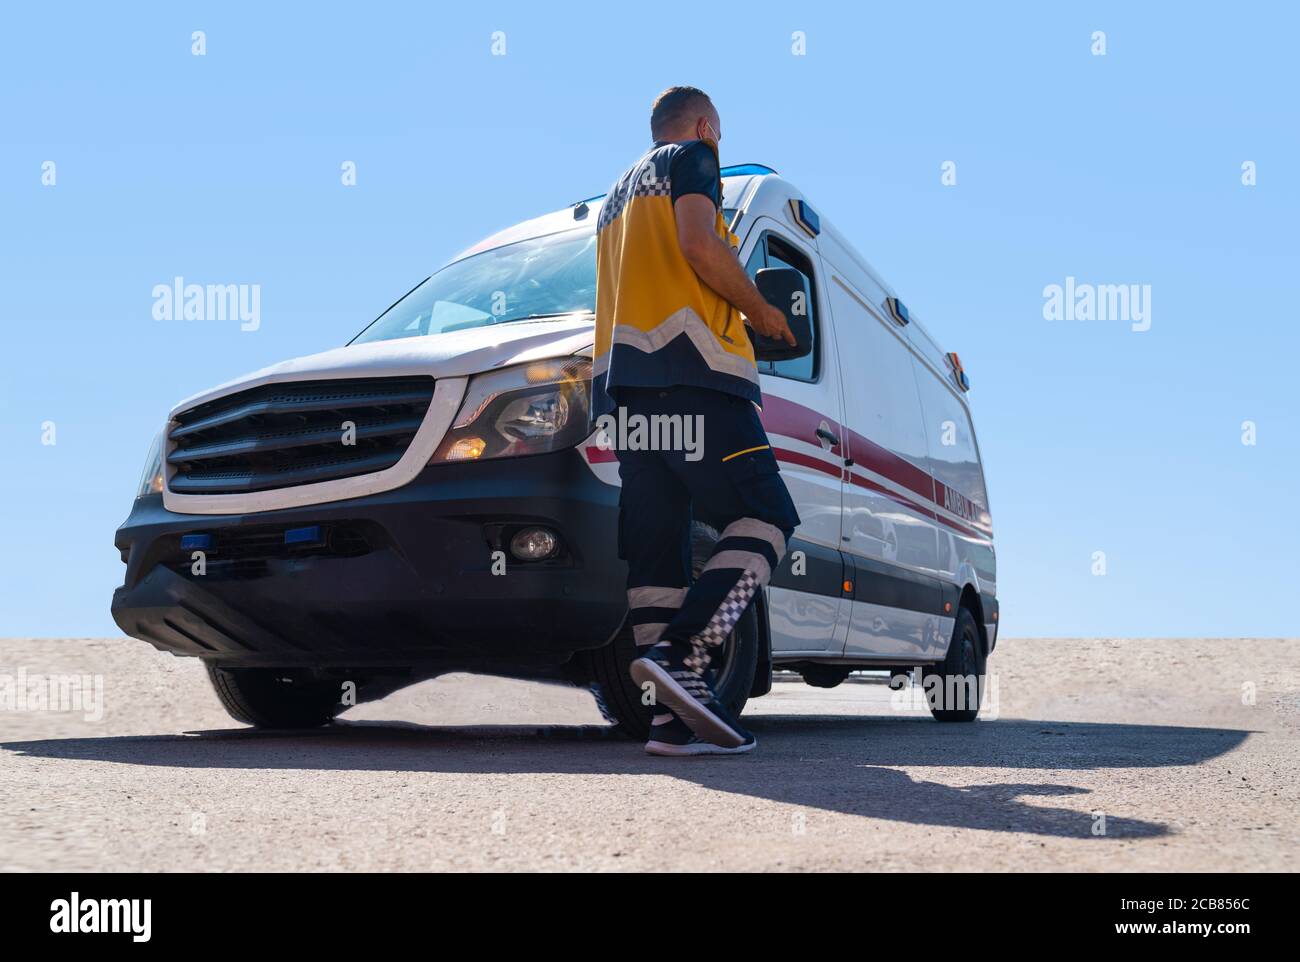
[{"x": 730, "y": 481}]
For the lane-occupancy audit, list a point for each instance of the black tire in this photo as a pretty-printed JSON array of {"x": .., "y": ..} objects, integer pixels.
[
  {"x": 275, "y": 697},
  {"x": 734, "y": 667},
  {"x": 952, "y": 695}
]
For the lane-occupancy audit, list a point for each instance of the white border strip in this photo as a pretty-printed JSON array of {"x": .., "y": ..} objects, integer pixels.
[{"x": 447, "y": 395}]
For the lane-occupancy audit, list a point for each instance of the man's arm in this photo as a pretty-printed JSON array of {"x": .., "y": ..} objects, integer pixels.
[{"x": 716, "y": 264}]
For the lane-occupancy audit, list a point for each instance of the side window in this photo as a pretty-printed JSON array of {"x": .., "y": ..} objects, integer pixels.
[
  {"x": 772, "y": 251},
  {"x": 953, "y": 457}
]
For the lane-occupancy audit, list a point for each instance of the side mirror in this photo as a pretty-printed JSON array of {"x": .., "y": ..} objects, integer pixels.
[{"x": 784, "y": 288}]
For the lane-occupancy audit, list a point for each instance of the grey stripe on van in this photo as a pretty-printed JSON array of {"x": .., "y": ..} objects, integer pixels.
[{"x": 875, "y": 582}]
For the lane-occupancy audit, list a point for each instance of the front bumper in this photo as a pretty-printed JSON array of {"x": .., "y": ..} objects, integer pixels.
[{"x": 402, "y": 578}]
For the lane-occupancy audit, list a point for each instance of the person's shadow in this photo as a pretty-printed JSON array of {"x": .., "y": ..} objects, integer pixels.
[{"x": 839, "y": 764}]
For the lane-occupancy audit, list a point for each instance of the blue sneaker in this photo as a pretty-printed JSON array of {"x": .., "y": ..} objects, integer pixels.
[
  {"x": 681, "y": 684},
  {"x": 672, "y": 737}
]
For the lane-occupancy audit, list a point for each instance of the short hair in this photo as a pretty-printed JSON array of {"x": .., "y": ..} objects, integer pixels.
[{"x": 672, "y": 106}]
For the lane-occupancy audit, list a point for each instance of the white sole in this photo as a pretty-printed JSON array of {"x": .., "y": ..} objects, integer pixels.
[
  {"x": 699, "y": 719},
  {"x": 693, "y": 749}
]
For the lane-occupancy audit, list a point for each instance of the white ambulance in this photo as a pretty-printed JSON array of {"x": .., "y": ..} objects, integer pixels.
[{"x": 431, "y": 497}]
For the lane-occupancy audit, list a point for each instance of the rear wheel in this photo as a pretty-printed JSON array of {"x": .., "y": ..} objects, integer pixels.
[
  {"x": 954, "y": 686},
  {"x": 275, "y": 697}
]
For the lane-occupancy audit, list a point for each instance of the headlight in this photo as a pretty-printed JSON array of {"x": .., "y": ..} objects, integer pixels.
[
  {"x": 526, "y": 409},
  {"x": 151, "y": 482}
]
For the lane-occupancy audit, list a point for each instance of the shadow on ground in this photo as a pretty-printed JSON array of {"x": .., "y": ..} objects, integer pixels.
[{"x": 839, "y": 764}]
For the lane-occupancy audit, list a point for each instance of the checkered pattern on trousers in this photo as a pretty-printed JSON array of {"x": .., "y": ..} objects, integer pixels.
[{"x": 724, "y": 620}]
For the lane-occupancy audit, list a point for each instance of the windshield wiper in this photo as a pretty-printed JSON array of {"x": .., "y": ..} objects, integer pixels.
[{"x": 542, "y": 317}]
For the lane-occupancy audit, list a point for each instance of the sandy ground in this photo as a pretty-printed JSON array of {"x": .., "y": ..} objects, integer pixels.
[{"x": 1162, "y": 739}]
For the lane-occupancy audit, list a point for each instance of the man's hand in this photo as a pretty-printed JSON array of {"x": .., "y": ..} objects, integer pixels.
[
  {"x": 716, "y": 265},
  {"x": 771, "y": 322}
]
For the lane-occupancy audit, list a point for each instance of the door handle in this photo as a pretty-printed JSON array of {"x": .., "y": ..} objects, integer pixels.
[{"x": 829, "y": 436}]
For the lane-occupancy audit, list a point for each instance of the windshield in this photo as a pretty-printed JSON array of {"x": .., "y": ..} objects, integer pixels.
[{"x": 530, "y": 279}]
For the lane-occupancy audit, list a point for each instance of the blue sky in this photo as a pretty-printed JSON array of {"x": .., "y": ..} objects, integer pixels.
[{"x": 1123, "y": 168}]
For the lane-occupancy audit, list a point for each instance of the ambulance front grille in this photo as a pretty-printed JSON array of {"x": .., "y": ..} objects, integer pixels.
[{"x": 290, "y": 434}]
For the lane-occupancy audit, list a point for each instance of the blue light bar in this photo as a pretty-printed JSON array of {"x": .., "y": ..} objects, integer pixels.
[
  {"x": 309, "y": 535},
  {"x": 806, "y": 217},
  {"x": 740, "y": 170},
  {"x": 897, "y": 310},
  {"x": 195, "y": 542}
]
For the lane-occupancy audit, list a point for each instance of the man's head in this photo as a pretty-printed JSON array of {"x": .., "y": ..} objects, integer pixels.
[{"x": 684, "y": 113}]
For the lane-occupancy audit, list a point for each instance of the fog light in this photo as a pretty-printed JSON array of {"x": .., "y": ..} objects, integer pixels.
[{"x": 534, "y": 544}]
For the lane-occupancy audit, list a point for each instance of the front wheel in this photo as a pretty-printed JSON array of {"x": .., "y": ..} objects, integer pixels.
[
  {"x": 620, "y": 698},
  {"x": 954, "y": 686},
  {"x": 275, "y": 697}
]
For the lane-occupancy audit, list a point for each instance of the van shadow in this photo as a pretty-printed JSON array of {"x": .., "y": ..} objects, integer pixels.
[{"x": 847, "y": 765}]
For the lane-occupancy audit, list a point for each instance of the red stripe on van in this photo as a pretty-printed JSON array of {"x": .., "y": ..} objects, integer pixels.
[
  {"x": 807, "y": 461},
  {"x": 783, "y": 416},
  {"x": 887, "y": 464},
  {"x": 791, "y": 419},
  {"x": 962, "y": 529},
  {"x": 954, "y": 501},
  {"x": 862, "y": 481},
  {"x": 865, "y": 482},
  {"x": 780, "y": 416}
]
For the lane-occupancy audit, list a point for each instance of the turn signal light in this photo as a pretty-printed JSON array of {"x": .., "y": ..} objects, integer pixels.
[
  {"x": 958, "y": 372},
  {"x": 466, "y": 449}
]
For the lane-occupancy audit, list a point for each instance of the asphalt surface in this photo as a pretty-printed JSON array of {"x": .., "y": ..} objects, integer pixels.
[{"x": 1186, "y": 748}]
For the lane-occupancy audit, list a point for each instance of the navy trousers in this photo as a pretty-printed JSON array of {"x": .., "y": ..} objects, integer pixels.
[{"x": 728, "y": 478}]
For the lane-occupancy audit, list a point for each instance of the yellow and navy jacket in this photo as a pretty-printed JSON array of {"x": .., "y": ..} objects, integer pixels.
[{"x": 657, "y": 323}]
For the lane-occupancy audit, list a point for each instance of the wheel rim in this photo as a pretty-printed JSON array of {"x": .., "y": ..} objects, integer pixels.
[
  {"x": 724, "y": 662},
  {"x": 967, "y": 655}
]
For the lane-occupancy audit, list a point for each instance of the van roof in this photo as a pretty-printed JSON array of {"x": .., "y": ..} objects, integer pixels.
[
  {"x": 736, "y": 181},
  {"x": 771, "y": 194},
  {"x": 753, "y": 188}
]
